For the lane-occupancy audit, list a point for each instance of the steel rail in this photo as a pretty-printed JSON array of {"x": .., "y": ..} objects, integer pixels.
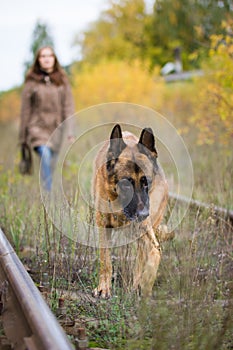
[
  {"x": 228, "y": 214},
  {"x": 27, "y": 320}
]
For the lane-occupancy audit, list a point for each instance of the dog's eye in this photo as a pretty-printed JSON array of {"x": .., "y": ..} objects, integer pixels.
[{"x": 145, "y": 182}]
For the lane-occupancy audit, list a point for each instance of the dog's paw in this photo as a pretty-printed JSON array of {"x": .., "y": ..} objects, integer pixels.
[{"x": 103, "y": 293}]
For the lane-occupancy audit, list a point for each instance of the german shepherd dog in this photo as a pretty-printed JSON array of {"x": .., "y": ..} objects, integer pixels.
[{"x": 129, "y": 187}]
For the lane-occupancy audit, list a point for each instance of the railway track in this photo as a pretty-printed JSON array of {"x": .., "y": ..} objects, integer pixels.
[
  {"x": 27, "y": 320},
  {"x": 223, "y": 212}
]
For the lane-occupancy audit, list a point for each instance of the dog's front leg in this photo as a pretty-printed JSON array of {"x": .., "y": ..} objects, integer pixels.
[
  {"x": 105, "y": 274},
  {"x": 148, "y": 259},
  {"x": 149, "y": 274}
]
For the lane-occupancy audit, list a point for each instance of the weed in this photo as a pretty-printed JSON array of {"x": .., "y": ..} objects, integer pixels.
[{"x": 191, "y": 306}]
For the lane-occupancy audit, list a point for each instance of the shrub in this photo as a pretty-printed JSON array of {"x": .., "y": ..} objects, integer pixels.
[
  {"x": 116, "y": 81},
  {"x": 214, "y": 112}
]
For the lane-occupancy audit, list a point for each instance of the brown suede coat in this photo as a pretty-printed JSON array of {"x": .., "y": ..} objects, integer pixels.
[{"x": 45, "y": 105}]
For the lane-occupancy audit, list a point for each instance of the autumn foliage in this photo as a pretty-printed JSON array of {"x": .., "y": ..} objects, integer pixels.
[
  {"x": 124, "y": 49},
  {"x": 214, "y": 98},
  {"x": 9, "y": 105},
  {"x": 116, "y": 81}
]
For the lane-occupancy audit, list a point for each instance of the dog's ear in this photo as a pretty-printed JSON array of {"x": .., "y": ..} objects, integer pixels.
[
  {"x": 147, "y": 139},
  {"x": 116, "y": 146},
  {"x": 117, "y": 143}
]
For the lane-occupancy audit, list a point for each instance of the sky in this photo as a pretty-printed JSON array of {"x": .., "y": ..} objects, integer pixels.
[{"x": 65, "y": 18}]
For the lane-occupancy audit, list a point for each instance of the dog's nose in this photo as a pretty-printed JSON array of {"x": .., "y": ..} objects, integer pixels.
[
  {"x": 142, "y": 210},
  {"x": 142, "y": 213}
]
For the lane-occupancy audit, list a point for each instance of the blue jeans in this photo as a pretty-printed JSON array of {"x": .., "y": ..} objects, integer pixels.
[{"x": 46, "y": 156}]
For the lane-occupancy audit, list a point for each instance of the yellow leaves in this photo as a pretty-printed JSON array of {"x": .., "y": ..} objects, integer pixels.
[
  {"x": 9, "y": 105},
  {"x": 116, "y": 81},
  {"x": 193, "y": 56},
  {"x": 183, "y": 130},
  {"x": 199, "y": 31},
  {"x": 215, "y": 40},
  {"x": 119, "y": 33},
  {"x": 172, "y": 18},
  {"x": 177, "y": 5},
  {"x": 214, "y": 115}
]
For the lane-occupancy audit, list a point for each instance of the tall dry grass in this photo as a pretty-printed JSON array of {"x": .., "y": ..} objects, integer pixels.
[{"x": 191, "y": 306}]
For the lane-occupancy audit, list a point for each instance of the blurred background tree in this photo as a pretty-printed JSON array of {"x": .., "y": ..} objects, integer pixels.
[
  {"x": 10, "y": 100},
  {"x": 187, "y": 24},
  {"x": 126, "y": 31},
  {"x": 123, "y": 50},
  {"x": 9, "y": 105},
  {"x": 118, "y": 33},
  {"x": 214, "y": 91},
  {"x": 41, "y": 36}
]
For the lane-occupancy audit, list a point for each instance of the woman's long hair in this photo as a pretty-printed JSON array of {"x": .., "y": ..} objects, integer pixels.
[{"x": 57, "y": 76}]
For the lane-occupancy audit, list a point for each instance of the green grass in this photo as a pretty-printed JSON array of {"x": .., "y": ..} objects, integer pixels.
[{"x": 192, "y": 300}]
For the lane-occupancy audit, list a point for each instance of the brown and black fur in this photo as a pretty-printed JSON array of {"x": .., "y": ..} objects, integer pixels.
[{"x": 129, "y": 188}]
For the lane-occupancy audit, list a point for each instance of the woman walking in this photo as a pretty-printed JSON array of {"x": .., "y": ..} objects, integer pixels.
[{"x": 46, "y": 102}]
